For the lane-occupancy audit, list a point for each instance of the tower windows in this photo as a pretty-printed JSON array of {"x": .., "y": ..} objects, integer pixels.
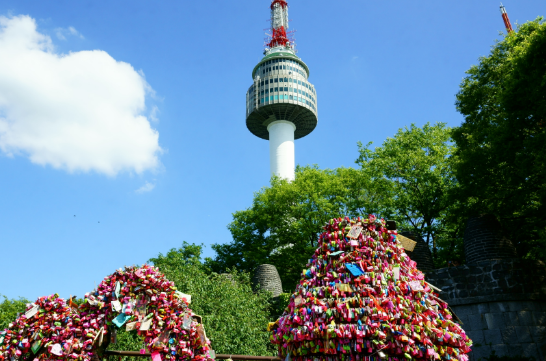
[
  {"x": 276, "y": 89},
  {"x": 285, "y": 89},
  {"x": 276, "y": 80}
]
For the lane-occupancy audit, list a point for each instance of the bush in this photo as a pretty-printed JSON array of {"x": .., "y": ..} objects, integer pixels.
[
  {"x": 9, "y": 310},
  {"x": 235, "y": 318}
]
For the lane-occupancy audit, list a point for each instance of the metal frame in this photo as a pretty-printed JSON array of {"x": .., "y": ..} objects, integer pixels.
[{"x": 218, "y": 356}]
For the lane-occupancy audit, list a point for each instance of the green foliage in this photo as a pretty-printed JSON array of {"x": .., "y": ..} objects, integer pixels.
[
  {"x": 279, "y": 305},
  {"x": 502, "y": 142},
  {"x": 235, "y": 317},
  {"x": 409, "y": 179},
  {"x": 282, "y": 225},
  {"x": 127, "y": 341},
  {"x": 414, "y": 171},
  {"x": 9, "y": 310}
]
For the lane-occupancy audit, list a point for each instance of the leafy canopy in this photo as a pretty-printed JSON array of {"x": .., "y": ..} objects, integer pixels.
[
  {"x": 235, "y": 317},
  {"x": 502, "y": 142},
  {"x": 9, "y": 310},
  {"x": 408, "y": 179},
  {"x": 282, "y": 225},
  {"x": 415, "y": 172}
]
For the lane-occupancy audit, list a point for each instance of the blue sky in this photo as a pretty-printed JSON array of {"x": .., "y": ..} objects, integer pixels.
[{"x": 103, "y": 164}]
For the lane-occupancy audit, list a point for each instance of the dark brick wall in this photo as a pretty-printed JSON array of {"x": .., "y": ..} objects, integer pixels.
[
  {"x": 493, "y": 280},
  {"x": 484, "y": 240}
]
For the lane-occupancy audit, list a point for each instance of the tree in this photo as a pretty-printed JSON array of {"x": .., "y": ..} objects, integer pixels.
[
  {"x": 502, "y": 141},
  {"x": 235, "y": 317},
  {"x": 415, "y": 172},
  {"x": 9, "y": 310},
  {"x": 408, "y": 179},
  {"x": 282, "y": 225}
]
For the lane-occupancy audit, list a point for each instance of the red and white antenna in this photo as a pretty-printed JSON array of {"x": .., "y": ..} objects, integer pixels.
[
  {"x": 505, "y": 18},
  {"x": 279, "y": 24}
]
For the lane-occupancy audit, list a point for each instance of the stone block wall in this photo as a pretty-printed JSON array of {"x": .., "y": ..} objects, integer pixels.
[
  {"x": 484, "y": 240},
  {"x": 502, "y": 304},
  {"x": 485, "y": 281},
  {"x": 266, "y": 277},
  {"x": 510, "y": 328}
]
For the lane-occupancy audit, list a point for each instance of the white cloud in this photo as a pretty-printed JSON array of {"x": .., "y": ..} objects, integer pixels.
[
  {"x": 80, "y": 112},
  {"x": 62, "y": 32},
  {"x": 146, "y": 188},
  {"x": 153, "y": 113}
]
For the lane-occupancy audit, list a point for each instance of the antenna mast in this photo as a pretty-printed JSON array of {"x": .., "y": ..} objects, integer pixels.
[
  {"x": 279, "y": 24},
  {"x": 505, "y": 19}
]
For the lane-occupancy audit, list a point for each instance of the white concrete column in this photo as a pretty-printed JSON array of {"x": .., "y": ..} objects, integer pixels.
[{"x": 281, "y": 149}]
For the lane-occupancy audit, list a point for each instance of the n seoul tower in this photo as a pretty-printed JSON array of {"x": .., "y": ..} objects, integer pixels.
[{"x": 281, "y": 104}]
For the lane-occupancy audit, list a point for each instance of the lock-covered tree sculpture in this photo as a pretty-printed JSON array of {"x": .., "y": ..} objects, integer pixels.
[
  {"x": 139, "y": 299},
  {"x": 362, "y": 298}
]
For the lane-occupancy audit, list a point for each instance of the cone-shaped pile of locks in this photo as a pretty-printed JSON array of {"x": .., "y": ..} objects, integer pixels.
[
  {"x": 140, "y": 299},
  {"x": 362, "y": 298}
]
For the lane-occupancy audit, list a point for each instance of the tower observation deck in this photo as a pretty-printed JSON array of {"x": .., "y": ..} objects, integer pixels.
[{"x": 281, "y": 104}]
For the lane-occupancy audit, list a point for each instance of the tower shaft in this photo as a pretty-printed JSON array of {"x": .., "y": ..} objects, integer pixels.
[{"x": 281, "y": 149}]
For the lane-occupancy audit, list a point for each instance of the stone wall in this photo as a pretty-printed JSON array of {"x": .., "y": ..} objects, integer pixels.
[
  {"x": 501, "y": 302},
  {"x": 266, "y": 277},
  {"x": 484, "y": 240}
]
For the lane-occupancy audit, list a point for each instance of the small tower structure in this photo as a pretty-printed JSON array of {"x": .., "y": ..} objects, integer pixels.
[
  {"x": 281, "y": 103},
  {"x": 505, "y": 19}
]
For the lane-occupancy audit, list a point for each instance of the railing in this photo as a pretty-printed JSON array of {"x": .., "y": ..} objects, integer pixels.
[{"x": 218, "y": 356}]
